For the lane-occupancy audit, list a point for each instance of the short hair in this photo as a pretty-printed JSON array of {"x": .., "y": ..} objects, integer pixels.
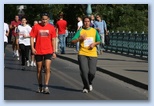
[
  {"x": 23, "y": 17},
  {"x": 85, "y": 18},
  {"x": 44, "y": 14}
]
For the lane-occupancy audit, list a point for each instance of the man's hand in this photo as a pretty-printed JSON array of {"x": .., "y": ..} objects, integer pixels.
[
  {"x": 34, "y": 51},
  {"x": 54, "y": 55}
]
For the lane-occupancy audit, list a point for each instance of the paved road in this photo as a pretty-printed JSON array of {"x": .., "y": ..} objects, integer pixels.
[
  {"x": 131, "y": 70},
  {"x": 65, "y": 83}
]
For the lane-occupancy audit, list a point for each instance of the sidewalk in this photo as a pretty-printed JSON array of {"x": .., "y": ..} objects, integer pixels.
[{"x": 127, "y": 69}]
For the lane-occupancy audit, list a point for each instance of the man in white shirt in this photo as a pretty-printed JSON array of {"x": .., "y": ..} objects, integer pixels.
[
  {"x": 79, "y": 26},
  {"x": 6, "y": 34}
]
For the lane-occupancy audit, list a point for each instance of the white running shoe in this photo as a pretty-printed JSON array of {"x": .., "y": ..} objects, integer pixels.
[
  {"x": 28, "y": 63},
  {"x": 18, "y": 58},
  {"x": 32, "y": 63},
  {"x": 90, "y": 87},
  {"x": 85, "y": 91}
]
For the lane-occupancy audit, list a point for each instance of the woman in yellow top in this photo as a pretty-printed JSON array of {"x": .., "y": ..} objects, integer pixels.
[{"x": 87, "y": 56}]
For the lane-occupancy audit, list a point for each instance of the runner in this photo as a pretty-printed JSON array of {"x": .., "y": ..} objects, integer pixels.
[
  {"x": 24, "y": 41},
  {"x": 45, "y": 35},
  {"x": 6, "y": 34},
  {"x": 15, "y": 40},
  {"x": 87, "y": 56}
]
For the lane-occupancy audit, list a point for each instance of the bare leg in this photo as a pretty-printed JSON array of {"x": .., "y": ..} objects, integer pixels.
[
  {"x": 39, "y": 72},
  {"x": 47, "y": 74}
]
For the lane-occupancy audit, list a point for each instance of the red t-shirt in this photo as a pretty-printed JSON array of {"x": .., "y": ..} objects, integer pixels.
[
  {"x": 61, "y": 25},
  {"x": 43, "y": 35},
  {"x": 16, "y": 24}
]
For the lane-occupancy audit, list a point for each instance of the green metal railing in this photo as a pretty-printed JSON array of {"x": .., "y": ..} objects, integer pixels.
[{"x": 135, "y": 44}]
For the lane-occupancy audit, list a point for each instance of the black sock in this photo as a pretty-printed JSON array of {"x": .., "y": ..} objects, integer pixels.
[{"x": 40, "y": 85}]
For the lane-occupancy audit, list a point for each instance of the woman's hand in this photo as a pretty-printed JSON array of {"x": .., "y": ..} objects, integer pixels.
[{"x": 91, "y": 46}]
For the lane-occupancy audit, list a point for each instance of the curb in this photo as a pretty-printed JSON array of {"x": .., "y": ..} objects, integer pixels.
[{"x": 120, "y": 77}]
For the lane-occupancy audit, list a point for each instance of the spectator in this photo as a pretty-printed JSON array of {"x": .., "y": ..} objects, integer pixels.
[
  {"x": 61, "y": 26},
  {"x": 101, "y": 27},
  {"x": 79, "y": 26}
]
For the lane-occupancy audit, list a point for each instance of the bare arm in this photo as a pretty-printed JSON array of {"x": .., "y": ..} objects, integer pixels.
[
  {"x": 54, "y": 47},
  {"x": 32, "y": 45}
]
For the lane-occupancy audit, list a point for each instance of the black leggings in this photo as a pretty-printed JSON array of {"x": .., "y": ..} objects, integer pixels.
[{"x": 24, "y": 50}]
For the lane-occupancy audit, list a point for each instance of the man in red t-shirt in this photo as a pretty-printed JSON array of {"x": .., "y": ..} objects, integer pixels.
[
  {"x": 61, "y": 26},
  {"x": 45, "y": 35},
  {"x": 15, "y": 38}
]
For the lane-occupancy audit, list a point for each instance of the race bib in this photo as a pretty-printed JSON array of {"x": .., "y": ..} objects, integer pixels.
[{"x": 88, "y": 41}]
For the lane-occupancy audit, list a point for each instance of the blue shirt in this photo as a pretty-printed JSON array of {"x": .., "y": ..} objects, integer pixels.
[{"x": 101, "y": 26}]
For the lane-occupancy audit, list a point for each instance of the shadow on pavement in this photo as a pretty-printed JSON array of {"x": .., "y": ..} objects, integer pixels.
[
  {"x": 137, "y": 70},
  {"x": 18, "y": 88}
]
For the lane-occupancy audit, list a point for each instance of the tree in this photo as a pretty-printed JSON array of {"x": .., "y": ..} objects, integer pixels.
[{"x": 127, "y": 17}]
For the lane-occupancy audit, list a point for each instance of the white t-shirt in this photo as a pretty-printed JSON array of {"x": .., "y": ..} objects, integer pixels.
[
  {"x": 6, "y": 28},
  {"x": 24, "y": 30},
  {"x": 80, "y": 24}
]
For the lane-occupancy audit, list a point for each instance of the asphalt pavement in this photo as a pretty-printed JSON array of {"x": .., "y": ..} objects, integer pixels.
[
  {"x": 128, "y": 69},
  {"x": 113, "y": 74}
]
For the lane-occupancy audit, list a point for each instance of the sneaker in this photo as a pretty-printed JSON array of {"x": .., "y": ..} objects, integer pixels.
[
  {"x": 27, "y": 62},
  {"x": 90, "y": 87},
  {"x": 40, "y": 90},
  {"x": 46, "y": 91},
  {"x": 32, "y": 63},
  {"x": 85, "y": 91},
  {"x": 18, "y": 58}
]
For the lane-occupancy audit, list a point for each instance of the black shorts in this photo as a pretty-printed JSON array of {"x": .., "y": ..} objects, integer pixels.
[
  {"x": 5, "y": 44},
  {"x": 39, "y": 58}
]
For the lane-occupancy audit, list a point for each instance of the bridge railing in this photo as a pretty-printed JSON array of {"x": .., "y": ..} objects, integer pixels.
[{"x": 134, "y": 44}]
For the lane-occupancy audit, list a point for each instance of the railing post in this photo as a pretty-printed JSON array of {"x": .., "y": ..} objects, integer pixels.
[
  {"x": 129, "y": 35},
  {"x": 135, "y": 42}
]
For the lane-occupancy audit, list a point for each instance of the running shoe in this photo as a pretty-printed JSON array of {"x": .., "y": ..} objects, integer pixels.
[
  {"x": 46, "y": 91},
  {"x": 85, "y": 91},
  {"x": 39, "y": 90},
  {"x": 90, "y": 87},
  {"x": 28, "y": 63}
]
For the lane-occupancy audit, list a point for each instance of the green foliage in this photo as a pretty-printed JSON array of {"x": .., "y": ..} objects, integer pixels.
[{"x": 119, "y": 17}]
